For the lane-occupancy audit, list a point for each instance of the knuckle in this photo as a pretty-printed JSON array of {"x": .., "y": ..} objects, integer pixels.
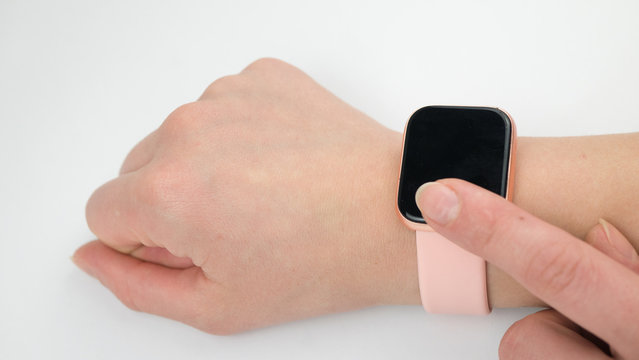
[
  {"x": 266, "y": 64},
  {"x": 190, "y": 122},
  {"x": 226, "y": 85},
  {"x": 231, "y": 109},
  {"x": 185, "y": 117},
  {"x": 561, "y": 272}
]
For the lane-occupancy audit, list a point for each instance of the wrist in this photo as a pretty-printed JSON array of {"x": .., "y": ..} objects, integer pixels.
[
  {"x": 400, "y": 284},
  {"x": 403, "y": 283},
  {"x": 503, "y": 291}
]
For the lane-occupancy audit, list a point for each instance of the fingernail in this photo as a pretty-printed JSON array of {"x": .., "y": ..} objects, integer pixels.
[
  {"x": 618, "y": 242},
  {"x": 437, "y": 202}
]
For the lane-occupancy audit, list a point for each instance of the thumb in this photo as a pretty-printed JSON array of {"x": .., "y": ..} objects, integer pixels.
[
  {"x": 610, "y": 241},
  {"x": 145, "y": 286}
]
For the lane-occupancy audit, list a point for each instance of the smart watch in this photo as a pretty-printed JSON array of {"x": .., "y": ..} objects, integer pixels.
[{"x": 476, "y": 144}]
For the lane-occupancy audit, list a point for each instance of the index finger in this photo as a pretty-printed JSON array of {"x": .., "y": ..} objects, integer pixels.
[
  {"x": 585, "y": 285},
  {"x": 114, "y": 217}
]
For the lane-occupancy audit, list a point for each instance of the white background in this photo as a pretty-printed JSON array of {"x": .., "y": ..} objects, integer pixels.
[{"x": 82, "y": 81}]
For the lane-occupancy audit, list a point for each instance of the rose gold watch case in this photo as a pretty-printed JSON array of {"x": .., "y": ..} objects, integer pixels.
[{"x": 509, "y": 183}]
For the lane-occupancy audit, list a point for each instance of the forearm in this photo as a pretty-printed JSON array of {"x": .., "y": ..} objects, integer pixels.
[{"x": 571, "y": 182}]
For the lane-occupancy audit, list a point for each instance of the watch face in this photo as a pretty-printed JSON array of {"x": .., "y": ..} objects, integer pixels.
[{"x": 469, "y": 143}]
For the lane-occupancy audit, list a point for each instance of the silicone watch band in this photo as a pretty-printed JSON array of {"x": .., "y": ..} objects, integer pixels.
[{"x": 451, "y": 279}]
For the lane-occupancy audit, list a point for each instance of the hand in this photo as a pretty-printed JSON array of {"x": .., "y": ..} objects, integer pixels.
[
  {"x": 593, "y": 289},
  {"x": 267, "y": 200}
]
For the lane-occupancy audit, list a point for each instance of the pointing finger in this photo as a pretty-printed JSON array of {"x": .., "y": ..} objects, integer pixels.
[{"x": 560, "y": 269}]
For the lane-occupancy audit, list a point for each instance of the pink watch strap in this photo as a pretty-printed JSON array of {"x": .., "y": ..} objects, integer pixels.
[{"x": 451, "y": 279}]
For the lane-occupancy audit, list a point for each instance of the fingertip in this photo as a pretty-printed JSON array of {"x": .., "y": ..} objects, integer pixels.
[
  {"x": 617, "y": 240},
  {"x": 609, "y": 240},
  {"x": 89, "y": 211},
  {"x": 620, "y": 244},
  {"x": 596, "y": 236},
  {"x": 437, "y": 202},
  {"x": 82, "y": 257},
  {"x": 113, "y": 216},
  {"x": 419, "y": 195},
  {"x": 607, "y": 227}
]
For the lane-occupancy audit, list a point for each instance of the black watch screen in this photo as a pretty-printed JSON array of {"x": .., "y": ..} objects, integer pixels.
[{"x": 469, "y": 143}]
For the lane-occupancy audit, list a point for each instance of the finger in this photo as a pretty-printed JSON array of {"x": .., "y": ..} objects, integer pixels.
[
  {"x": 161, "y": 256},
  {"x": 585, "y": 285},
  {"x": 610, "y": 241},
  {"x": 178, "y": 294},
  {"x": 141, "y": 154},
  {"x": 114, "y": 217},
  {"x": 547, "y": 335}
]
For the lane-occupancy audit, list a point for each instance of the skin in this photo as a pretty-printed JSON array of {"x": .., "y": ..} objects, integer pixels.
[
  {"x": 554, "y": 266},
  {"x": 572, "y": 182},
  {"x": 269, "y": 200}
]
